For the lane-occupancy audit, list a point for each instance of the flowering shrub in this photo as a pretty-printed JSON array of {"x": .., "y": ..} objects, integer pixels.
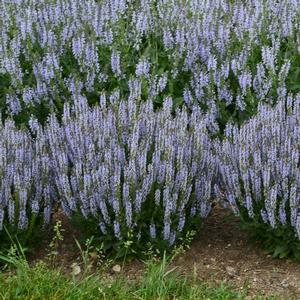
[
  {"x": 228, "y": 56},
  {"x": 100, "y": 86},
  {"x": 25, "y": 201},
  {"x": 135, "y": 174},
  {"x": 260, "y": 167}
]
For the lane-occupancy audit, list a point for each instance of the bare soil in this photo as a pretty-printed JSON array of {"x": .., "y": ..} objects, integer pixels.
[{"x": 222, "y": 252}]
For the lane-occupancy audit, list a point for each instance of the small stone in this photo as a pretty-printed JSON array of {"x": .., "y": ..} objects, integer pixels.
[
  {"x": 76, "y": 270},
  {"x": 285, "y": 283},
  {"x": 231, "y": 271},
  {"x": 116, "y": 268}
]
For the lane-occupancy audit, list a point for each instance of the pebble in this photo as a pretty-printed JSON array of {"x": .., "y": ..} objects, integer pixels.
[
  {"x": 231, "y": 271},
  {"x": 116, "y": 268},
  {"x": 76, "y": 270},
  {"x": 285, "y": 283}
]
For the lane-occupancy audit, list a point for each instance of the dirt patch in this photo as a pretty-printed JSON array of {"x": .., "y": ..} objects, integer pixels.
[{"x": 221, "y": 252}]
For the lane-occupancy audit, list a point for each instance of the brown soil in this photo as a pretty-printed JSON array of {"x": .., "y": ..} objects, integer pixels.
[{"x": 221, "y": 253}]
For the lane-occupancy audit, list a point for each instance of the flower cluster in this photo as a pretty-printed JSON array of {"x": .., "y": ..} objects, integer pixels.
[
  {"x": 25, "y": 180},
  {"x": 228, "y": 55},
  {"x": 151, "y": 173},
  {"x": 121, "y": 98},
  {"x": 132, "y": 169},
  {"x": 122, "y": 164},
  {"x": 260, "y": 166}
]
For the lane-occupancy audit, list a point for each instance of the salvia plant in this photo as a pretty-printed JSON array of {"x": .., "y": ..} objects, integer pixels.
[
  {"x": 26, "y": 199},
  {"x": 109, "y": 109},
  {"x": 138, "y": 176},
  {"x": 227, "y": 56},
  {"x": 260, "y": 172}
]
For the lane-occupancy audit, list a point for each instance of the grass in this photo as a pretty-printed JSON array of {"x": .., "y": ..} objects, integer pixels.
[
  {"x": 41, "y": 283},
  {"x": 159, "y": 282},
  {"x": 44, "y": 280}
]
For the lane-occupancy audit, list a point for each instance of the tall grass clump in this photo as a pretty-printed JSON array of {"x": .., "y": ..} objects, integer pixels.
[{"x": 260, "y": 167}]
